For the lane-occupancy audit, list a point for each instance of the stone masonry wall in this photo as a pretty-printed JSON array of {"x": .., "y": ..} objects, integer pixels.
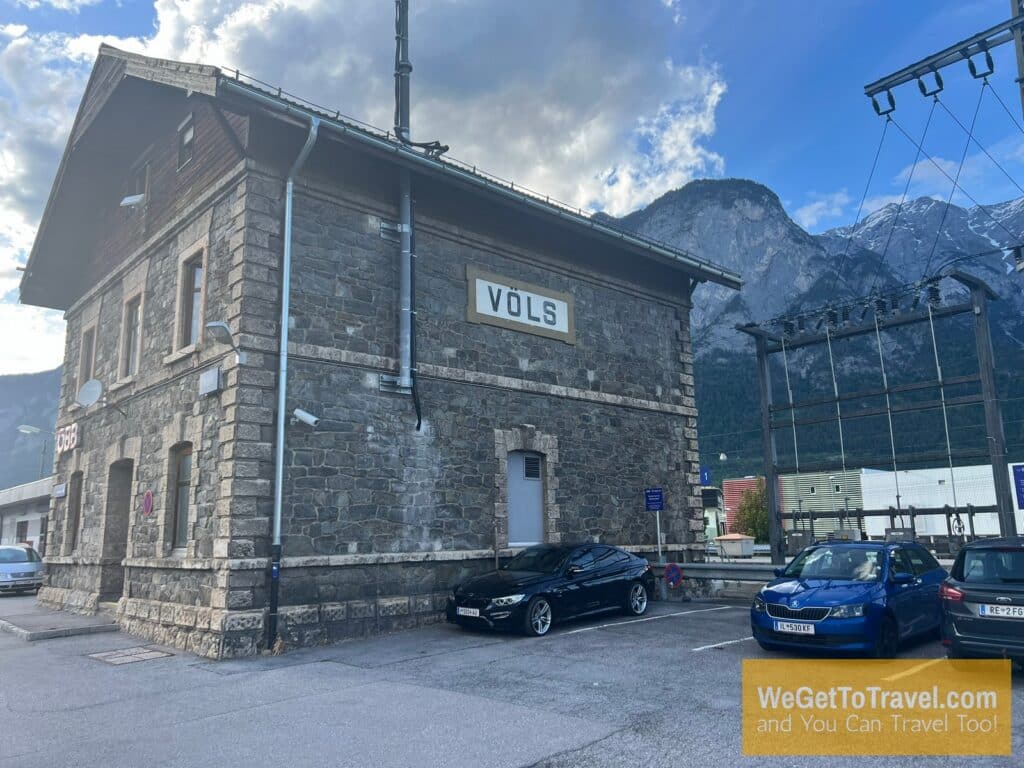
[{"x": 173, "y": 596}]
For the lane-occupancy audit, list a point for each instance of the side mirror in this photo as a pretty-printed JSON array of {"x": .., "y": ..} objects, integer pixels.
[
  {"x": 573, "y": 570},
  {"x": 902, "y": 577},
  {"x": 778, "y": 572}
]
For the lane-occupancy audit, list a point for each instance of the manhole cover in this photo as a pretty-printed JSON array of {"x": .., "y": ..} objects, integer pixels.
[{"x": 130, "y": 655}]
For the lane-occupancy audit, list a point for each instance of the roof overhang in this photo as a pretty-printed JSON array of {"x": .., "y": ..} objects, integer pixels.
[{"x": 113, "y": 66}]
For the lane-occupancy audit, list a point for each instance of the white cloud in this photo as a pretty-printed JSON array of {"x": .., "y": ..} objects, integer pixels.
[
  {"x": 980, "y": 180},
  {"x": 824, "y": 206},
  {"x": 578, "y": 105},
  {"x": 74, "y": 6}
]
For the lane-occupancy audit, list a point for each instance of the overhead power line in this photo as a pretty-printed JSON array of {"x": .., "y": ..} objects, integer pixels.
[{"x": 959, "y": 170}]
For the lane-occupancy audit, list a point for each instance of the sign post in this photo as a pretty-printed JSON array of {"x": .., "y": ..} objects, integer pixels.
[{"x": 654, "y": 500}]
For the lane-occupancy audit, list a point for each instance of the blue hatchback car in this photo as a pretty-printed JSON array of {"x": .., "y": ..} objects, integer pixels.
[{"x": 858, "y": 597}]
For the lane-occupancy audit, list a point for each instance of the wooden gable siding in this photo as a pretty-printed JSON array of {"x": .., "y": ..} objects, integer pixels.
[
  {"x": 170, "y": 190},
  {"x": 106, "y": 76}
]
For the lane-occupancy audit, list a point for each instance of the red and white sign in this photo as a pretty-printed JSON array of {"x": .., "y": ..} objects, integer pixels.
[{"x": 67, "y": 438}]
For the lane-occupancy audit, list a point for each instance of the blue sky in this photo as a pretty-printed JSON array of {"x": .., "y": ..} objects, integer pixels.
[{"x": 603, "y": 104}]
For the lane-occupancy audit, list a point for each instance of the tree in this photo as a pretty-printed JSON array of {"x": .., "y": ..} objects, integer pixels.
[{"x": 752, "y": 515}]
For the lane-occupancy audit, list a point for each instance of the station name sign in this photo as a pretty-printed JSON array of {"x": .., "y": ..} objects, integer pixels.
[{"x": 510, "y": 303}]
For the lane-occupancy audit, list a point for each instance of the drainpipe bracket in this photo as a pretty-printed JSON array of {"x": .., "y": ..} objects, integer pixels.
[
  {"x": 392, "y": 231},
  {"x": 394, "y": 385}
]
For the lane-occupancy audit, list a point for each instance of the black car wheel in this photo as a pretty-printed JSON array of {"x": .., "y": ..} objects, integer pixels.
[
  {"x": 888, "y": 642},
  {"x": 636, "y": 599},
  {"x": 537, "y": 619}
]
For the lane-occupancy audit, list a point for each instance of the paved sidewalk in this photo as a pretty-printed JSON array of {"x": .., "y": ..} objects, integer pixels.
[{"x": 24, "y": 618}]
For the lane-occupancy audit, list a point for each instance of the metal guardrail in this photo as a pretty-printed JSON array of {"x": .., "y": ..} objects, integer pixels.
[{"x": 757, "y": 572}]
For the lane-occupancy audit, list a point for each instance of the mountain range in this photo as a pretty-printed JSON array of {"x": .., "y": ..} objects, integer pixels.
[{"x": 742, "y": 225}]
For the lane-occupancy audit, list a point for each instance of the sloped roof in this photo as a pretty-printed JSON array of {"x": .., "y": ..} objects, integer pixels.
[{"x": 113, "y": 66}]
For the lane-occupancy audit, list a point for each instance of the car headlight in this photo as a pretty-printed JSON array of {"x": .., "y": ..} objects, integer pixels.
[
  {"x": 847, "y": 612},
  {"x": 759, "y": 604},
  {"x": 505, "y": 602}
]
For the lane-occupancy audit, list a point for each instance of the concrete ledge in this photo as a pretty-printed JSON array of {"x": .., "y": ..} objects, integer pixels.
[
  {"x": 30, "y": 635},
  {"x": 35, "y": 621}
]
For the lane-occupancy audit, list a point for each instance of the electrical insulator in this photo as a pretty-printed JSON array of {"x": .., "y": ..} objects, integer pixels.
[
  {"x": 833, "y": 318},
  {"x": 846, "y": 314},
  {"x": 879, "y": 306},
  {"x": 894, "y": 303},
  {"x": 934, "y": 294},
  {"x": 800, "y": 324},
  {"x": 787, "y": 327}
]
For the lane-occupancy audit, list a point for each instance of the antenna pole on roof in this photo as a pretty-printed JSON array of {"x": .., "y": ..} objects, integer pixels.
[{"x": 403, "y": 69}]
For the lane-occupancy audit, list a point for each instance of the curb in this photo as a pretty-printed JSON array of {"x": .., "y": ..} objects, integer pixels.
[{"x": 48, "y": 634}]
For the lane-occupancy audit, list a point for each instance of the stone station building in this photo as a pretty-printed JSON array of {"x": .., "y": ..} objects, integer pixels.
[{"x": 553, "y": 366}]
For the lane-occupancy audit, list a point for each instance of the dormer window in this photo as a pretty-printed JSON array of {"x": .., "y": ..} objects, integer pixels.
[{"x": 186, "y": 142}]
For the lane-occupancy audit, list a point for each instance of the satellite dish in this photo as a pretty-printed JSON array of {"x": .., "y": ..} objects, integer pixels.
[{"x": 90, "y": 393}]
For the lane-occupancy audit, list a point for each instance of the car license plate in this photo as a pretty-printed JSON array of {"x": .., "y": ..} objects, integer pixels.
[
  {"x": 1003, "y": 611},
  {"x": 471, "y": 612},
  {"x": 794, "y": 628}
]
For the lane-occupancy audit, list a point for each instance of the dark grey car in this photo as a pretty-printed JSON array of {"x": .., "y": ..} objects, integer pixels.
[{"x": 21, "y": 569}]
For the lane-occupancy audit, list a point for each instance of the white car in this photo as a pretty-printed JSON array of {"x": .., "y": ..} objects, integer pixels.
[{"x": 21, "y": 569}]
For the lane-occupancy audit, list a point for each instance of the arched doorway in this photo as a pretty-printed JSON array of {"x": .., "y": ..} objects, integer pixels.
[{"x": 116, "y": 522}]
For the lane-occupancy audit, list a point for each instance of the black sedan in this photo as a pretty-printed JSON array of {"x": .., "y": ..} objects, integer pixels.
[
  {"x": 553, "y": 582},
  {"x": 983, "y": 600}
]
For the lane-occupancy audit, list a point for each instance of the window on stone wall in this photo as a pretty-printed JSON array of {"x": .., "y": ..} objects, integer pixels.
[
  {"x": 191, "y": 314},
  {"x": 74, "y": 512},
  {"x": 138, "y": 185},
  {"x": 186, "y": 142},
  {"x": 130, "y": 337},
  {"x": 181, "y": 465},
  {"x": 87, "y": 355},
  {"x": 21, "y": 532}
]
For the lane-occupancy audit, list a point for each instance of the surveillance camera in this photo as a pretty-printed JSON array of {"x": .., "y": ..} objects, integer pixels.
[{"x": 305, "y": 417}]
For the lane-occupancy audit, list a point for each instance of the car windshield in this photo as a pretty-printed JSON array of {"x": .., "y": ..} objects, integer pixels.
[
  {"x": 537, "y": 559},
  {"x": 15, "y": 555},
  {"x": 844, "y": 563},
  {"x": 992, "y": 566}
]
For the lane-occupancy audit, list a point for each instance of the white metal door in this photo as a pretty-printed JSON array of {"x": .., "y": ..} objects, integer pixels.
[{"x": 525, "y": 499}]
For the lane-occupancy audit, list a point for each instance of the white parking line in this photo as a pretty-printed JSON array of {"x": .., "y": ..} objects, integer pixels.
[
  {"x": 719, "y": 645},
  {"x": 649, "y": 618}
]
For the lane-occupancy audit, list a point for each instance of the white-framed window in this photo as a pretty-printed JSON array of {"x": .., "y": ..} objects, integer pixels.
[
  {"x": 812, "y": 491},
  {"x": 190, "y": 300},
  {"x": 87, "y": 355},
  {"x": 186, "y": 141},
  {"x": 181, "y": 485},
  {"x": 131, "y": 336}
]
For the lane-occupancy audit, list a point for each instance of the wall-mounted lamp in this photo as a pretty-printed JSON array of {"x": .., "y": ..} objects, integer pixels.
[
  {"x": 220, "y": 332},
  {"x": 132, "y": 200}
]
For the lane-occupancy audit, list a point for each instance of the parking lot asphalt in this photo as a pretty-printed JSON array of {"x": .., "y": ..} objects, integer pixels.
[{"x": 663, "y": 690}]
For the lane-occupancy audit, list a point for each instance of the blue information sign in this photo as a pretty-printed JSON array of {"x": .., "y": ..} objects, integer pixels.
[
  {"x": 705, "y": 476},
  {"x": 655, "y": 499},
  {"x": 1018, "y": 483},
  {"x": 673, "y": 575}
]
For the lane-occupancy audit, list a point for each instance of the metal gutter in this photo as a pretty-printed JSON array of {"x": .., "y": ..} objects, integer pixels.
[
  {"x": 282, "y": 378},
  {"x": 704, "y": 270}
]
